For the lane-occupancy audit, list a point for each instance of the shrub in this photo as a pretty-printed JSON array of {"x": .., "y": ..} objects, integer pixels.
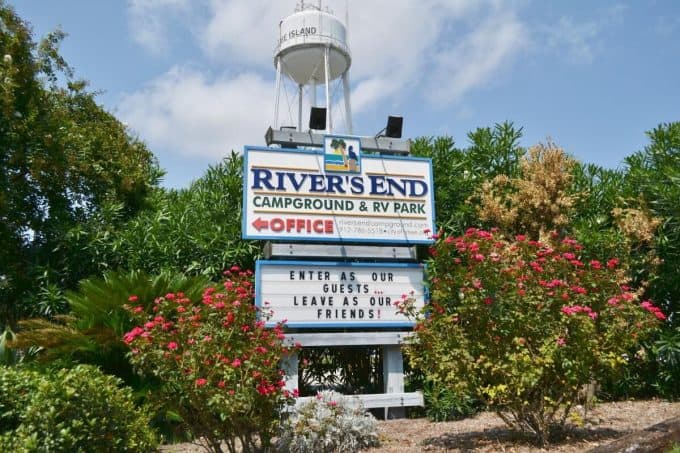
[
  {"x": 17, "y": 386},
  {"x": 217, "y": 363},
  {"x": 523, "y": 326},
  {"x": 76, "y": 410},
  {"x": 329, "y": 423},
  {"x": 442, "y": 404}
]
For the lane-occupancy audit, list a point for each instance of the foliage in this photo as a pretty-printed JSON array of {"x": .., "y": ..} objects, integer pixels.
[
  {"x": 329, "y": 423},
  {"x": 215, "y": 360},
  {"x": 534, "y": 202},
  {"x": 63, "y": 157},
  {"x": 196, "y": 231},
  {"x": 76, "y": 410},
  {"x": 348, "y": 370},
  {"x": 654, "y": 175},
  {"x": 523, "y": 325},
  {"x": 459, "y": 172},
  {"x": 92, "y": 332},
  {"x": 17, "y": 387},
  {"x": 443, "y": 404}
]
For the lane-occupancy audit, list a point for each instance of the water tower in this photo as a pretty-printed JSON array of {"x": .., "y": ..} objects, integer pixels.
[{"x": 312, "y": 50}]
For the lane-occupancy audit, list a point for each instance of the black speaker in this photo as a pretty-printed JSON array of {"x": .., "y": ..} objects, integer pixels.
[
  {"x": 394, "y": 126},
  {"x": 317, "y": 118}
]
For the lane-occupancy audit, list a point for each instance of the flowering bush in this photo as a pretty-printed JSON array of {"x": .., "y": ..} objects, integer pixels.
[
  {"x": 329, "y": 423},
  {"x": 217, "y": 362},
  {"x": 523, "y": 325}
]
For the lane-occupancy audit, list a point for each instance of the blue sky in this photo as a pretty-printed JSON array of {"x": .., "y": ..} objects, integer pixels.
[{"x": 195, "y": 79}]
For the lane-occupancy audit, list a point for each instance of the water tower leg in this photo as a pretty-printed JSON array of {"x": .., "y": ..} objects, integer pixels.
[
  {"x": 348, "y": 104},
  {"x": 278, "y": 93},
  {"x": 312, "y": 97},
  {"x": 300, "y": 108},
  {"x": 327, "y": 70}
]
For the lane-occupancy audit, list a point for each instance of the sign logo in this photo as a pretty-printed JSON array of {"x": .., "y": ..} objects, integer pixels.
[
  {"x": 293, "y": 195},
  {"x": 342, "y": 154},
  {"x": 336, "y": 294}
]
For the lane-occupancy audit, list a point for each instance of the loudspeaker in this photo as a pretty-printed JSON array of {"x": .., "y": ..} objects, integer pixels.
[
  {"x": 394, "y": 126},
  {"x": 317, "y": 118}
]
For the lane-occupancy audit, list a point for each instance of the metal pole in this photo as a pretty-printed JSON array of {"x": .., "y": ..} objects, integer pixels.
[
  {"x": 348, "y": 104},
  {"x": 327, "y": 70},
  {"x": 278, "y": 93},
  {"x": 300, "y": 108},
  {"x": 313, "y": 93}
]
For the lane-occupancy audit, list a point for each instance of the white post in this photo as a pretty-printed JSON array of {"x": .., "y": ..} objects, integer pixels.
[
  {"x": 327, "y": 70},
  {"x": 289, "y": 364},
  {"x": 300, "y": 108},
  {"x": 278, "y": 93},
  {"x": 348, "y": 104},
  {"x": 393, "y": 376}
]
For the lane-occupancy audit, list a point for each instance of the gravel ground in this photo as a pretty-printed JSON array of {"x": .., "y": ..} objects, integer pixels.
[{"x": 485, "y": 432}]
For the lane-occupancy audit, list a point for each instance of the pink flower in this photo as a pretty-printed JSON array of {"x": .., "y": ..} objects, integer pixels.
[
  {"x": 138, "y": 309},
  {"x": 478, "y": 257},
  {"x": 221, "y": 384},
  {"x": 488, "y": 301},
  {"x": 561, "y": 341},
  {"x": 569, "y": 256},
  {"x": 612, "y": 263},
  {"x": 521, "y": 237},
  {"x": 133, "y": 299},
  {"x": 169, "y": 296},
  {"x": 595, "y": 264},
  {"x": 332, "y": 403},
  {"x": 172, "y": 345},
  {"x": 200, "y": 382},
  {"x": 236, "y": 363}
]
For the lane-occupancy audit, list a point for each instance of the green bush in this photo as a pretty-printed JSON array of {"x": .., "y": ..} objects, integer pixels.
[
  {"x": 523, "y": 326},
  {"x": 442, "y": 404},
  {"x": 79, "y": 409},
  {"x": 17, "y": 386}
]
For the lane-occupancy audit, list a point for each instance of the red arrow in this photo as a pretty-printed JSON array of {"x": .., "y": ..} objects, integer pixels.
[{"x": 259, "y": 224}]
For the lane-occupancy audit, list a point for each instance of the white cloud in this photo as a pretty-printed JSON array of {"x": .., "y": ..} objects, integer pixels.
[
  {"x": 185, "y": 112},
  {"x": 476, "y": 58},
  {"x": 402, "y": 51},
  {"x": 148, "y": 21},
  {"x": 580, "y": 40}
]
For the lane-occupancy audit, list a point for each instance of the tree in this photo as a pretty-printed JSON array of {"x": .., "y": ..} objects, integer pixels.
[
  {"x": 196, "y": 230},
  {"x": 653, "y": 177},
  {"x": 459, "y": 172},
  {"x": 62, "y": 158}
]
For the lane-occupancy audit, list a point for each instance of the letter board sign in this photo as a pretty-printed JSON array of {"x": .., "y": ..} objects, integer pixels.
[
  {"x": 307, "y": 294},
  {"x": 303, "y": 195}
]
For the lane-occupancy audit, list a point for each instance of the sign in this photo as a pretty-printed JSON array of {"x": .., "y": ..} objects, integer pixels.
[
  {"x": 302, "y": 195},
  {"x": 334, "y": 294},
  {"x": 342, "y": 154}
]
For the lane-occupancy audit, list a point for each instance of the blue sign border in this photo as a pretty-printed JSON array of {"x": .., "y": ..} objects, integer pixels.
[
  {"x": 307, "y": 238},
  {"x": 328, "y": 325}
]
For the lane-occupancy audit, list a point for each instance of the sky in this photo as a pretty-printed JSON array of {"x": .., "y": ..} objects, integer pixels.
[{"x": 195, "y": 79}]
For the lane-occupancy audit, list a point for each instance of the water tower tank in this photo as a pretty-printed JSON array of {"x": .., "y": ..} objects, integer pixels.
[{"x": 303, "y": 37}]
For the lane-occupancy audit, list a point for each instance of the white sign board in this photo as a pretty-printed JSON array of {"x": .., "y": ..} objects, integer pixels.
[
  {"x": 333, "y": 294},
  {"x": 303, "y": 195}
]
